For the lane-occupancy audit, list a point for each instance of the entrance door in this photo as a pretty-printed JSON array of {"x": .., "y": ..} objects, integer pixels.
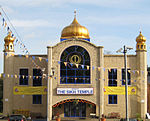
[{"x": 75, "y": 110}]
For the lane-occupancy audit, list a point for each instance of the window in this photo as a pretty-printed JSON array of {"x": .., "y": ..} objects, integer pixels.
[
  {"x": 7, "y": 47},
  {"x": 10, "y": 46},
  {"x": 141, "y": 46},
  {"x": 112, "y": 77},
  {"x": 37, "y": 99},
  {"x": 23, "y": 80},
  {"x": 112, "y": 99},
  {"x": 75, "y": 66},
  {"x": 37, "y": 77},
  {"x": 128, "y": 76}
]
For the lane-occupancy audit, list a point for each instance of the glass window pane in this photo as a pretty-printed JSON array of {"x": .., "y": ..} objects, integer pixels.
[
  {"x": 87, "y": 80},
  {"x": 71, "y": 80},
  {"x": 115, "y": 99},
  {"x": 37, "y": 77},
  {"x": 79, "y": 73},
  {"x": 112, "y": 76},
  {"x": 66, "y": 109},
  {"x": 110, "y": 83},
  {"x": 70, "y": 73},
  {"x": 23, "y": 80},
  {"x": 86, "y": 62},
  {"x": 62, "y": 80},
  {"x": 87, "y": 73},
  {"x": 114, "y": 83},
  {"x": 110, "y": 99},
  {"x": 37, "y": 99},
  {"x": 83, "y": 109},
  {"x": 128, "y": 76},
  {"x": 63, "y": 72}
]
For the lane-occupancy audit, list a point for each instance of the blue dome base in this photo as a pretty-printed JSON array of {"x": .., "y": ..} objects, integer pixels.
[{"x": 78, "y": 38}]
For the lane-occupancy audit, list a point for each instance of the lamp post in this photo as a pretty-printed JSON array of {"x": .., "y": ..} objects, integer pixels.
[
  {"x": 126, "y": 76},
  {"x": 49, "y": 88}
]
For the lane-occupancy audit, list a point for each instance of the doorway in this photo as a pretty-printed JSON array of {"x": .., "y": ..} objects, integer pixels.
[{"x": 72, "y": 109}]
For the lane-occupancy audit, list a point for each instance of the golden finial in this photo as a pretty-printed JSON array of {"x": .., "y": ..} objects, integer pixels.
[
  {"x": 75, "y": 12},
  {"x": 140, "y": 29}
]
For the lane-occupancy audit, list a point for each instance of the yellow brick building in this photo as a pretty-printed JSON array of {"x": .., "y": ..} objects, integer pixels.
[{"x": 74, "y": 79}]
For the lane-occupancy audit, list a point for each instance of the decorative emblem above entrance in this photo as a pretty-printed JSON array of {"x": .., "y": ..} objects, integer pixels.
[{"x": 75, "y": 59}]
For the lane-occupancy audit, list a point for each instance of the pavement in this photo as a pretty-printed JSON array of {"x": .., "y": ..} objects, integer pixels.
[{"x": 87, "y": 119}]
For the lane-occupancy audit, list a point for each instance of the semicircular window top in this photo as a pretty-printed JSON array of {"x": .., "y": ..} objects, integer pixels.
[{"x": 75, "y": 66}]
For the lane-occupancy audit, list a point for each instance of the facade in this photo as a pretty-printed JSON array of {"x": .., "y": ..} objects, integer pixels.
[
  {"x": 79, "y": 79},
  {"x": 148, "y": 98},
  {"x": 1, "y": 93},
  {"x": 148, "y": 90}
]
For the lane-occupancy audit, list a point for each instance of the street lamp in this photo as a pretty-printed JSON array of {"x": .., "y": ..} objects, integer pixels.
[
  {"x": 126, "y": 78},
  {"x": 53, "y": 72}
]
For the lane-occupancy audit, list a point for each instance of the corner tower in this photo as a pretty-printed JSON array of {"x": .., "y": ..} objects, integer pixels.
[
  {"x": 75, "y": 30},
  {"x": 142, "y": 76},
  {"x": 8, "y": 71}
]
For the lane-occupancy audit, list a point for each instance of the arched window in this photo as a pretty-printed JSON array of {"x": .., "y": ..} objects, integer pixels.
[
  {"x": 75, "y": 66},
  {"x": 141, "y": 46},
  {"x": 7, "y": 47},
  {"x": 11, "y": 47}
]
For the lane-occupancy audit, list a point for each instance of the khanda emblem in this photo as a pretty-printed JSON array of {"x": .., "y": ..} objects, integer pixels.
[{"x": 76, "y": 59}]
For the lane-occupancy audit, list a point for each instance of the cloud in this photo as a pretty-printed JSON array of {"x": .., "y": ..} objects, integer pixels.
[
  {"x": 109, "y": 3},
  {"x": 119, "y": 20},
  {"x": 61, "y": 3},
  {"x": 1, "y": 62},
  {"x": 8, "y": 9},
  {"x": 1, "y": 55},
  {"x": 116, "y": 42},
  {"x": 107, "y": 39},
  {"x": 30, "y": 36},
  {"x": 32, "y": 23}
]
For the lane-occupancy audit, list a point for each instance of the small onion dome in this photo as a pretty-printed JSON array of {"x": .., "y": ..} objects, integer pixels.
[
  {"x": 75, "y": 30},
  {"x": 9, "y": 38},
  {"x": 140, "y": 38}
]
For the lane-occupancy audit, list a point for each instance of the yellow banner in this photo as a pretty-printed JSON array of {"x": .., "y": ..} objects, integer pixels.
[
  {"x": 20, "y": 90},
  {"x": 119, "y": 90}
]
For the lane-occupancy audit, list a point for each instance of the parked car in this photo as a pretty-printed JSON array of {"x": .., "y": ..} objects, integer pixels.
[
  {"x": 2, "y": 117},
  {"x": 17, "y": 117}
]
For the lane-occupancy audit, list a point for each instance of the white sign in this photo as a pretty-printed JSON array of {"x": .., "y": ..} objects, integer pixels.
[
  {"x": 6, "y": 99},
  {"x": 74, "y": 90}
]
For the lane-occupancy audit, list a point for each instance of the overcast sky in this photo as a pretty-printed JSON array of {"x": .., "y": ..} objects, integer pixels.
[{"x": 111, "y": 23}]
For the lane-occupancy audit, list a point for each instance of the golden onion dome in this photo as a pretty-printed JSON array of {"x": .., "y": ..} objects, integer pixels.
[
  {"x": 140, "y": 38},
  {"x": 75, "y": 30},
  {"x": 9, "y": 38}
]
